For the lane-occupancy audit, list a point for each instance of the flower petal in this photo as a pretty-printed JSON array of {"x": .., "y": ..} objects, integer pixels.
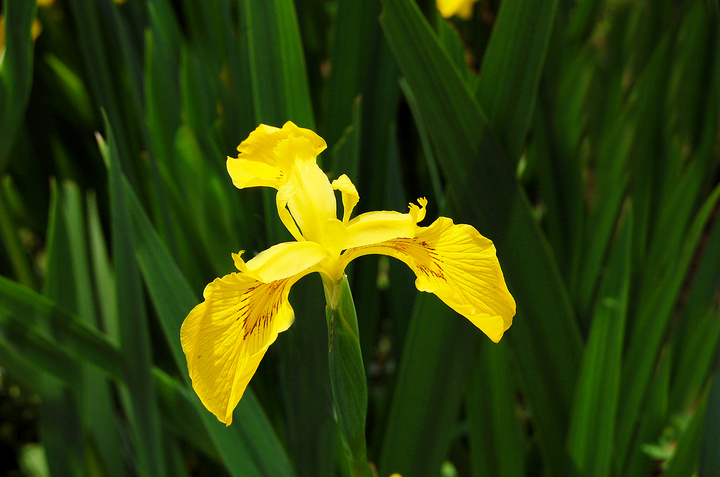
[
  {"x": 312, "y": 202},
  {"x": 285, "y": 260},
  {"x": 461, "y": 8},
  {"x": 284, "y": 194},
  {"x": 258, "y": 163},
  {"x": 245, "y": 173},
  {"x": 457, "y": 264},
  {"x": 350, "y": 196},
  {"x": 374, "y": 227},
  {"x": 225, "y": 337}
]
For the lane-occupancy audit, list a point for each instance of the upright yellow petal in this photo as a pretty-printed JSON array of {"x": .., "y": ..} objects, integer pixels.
[
  {"x": 457, "y": 264},
  {"x": 284, "y": 194},
  {"x": 350, "y": 196},
  {"x": 313, "y": 202},
  {"x": 258, "y": 164}
]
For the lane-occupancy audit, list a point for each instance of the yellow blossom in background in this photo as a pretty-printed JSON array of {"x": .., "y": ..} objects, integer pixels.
[
  {"x": 461, "y": 8},
  {"x": 225, "y": 337}
]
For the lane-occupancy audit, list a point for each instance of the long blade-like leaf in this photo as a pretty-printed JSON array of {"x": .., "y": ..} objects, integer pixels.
[
  {"x": 134, "y": 330},
  {"x": 511, "y": 67},
  {"x": 486, "y": 194},
  {"x": 433, "y": 376},
  {"x": 254, "y": 444},
  {"x": 15, "y": 71},
  {"x": 277, "y": 64},
  {"x": 592, "y": 425}
]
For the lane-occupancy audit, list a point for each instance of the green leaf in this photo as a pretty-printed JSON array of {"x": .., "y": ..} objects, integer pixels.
[
  {"x": 349, "y": 58},
  {"x": 90, "y": 406},
  {"x": 13, "y": 245},
  {"x": 601, "y": 221},
  {"x": 428, "y": 390},
  {"x": 82, "y": 344},
  {"x": 111, "y": 71},
  {"x": 380, "y": 98},
  {"x": 452, "y": 43},
  {"x": 16, "y": 365},
  {"x": 103, "y": 273},
  {"x": 162, "y": 96},
  {"x": 652, "y": 426},
  {"x": 87, "y": 343},
  {"x": 430, "y": 158},
  {"x": 709, "y": 464},
  {"x": 685, "y": 458},
  {"x": 697, "y": 335},
  {"x": 345, "y": 153},
  {"x": 511, "y": 69},
  {"x": 496, "y": 440},
  {"x": 486, "y": 194},
  {"x": 277, "y": 64},
  {"x": 694, "y": 353},
  {"x": 651, "y": 321},
  {"x": 16, "y": 71},
  {"x": 303, "y": 370},
  {"x": 26, "y": 344},
  {"x": 592, "y": 421},
  {"x": 206, "y": 25},
  {"x": 253, "y": 448},
  {"x": 555, "y": 151},
  {"x": 134, "y": 333}
]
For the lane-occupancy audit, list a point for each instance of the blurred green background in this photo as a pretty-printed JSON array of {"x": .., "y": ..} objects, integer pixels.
[{"x": 581, "y": 136}]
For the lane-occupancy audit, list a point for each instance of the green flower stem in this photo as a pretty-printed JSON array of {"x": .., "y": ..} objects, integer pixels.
[{"x": 347, "y": 373}]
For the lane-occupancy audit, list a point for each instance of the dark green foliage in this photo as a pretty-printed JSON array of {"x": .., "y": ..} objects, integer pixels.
[{"x": 581, "y": 136}]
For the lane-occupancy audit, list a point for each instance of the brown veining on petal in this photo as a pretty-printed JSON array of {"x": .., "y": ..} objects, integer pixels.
[
  {"x": 258, "y": 304},
  {"x": 427, "y": 260}
]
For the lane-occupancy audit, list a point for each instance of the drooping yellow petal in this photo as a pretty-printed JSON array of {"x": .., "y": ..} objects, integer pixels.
[
  {"x": 225, "y": 337},
  {"x": 461, "y": 8},
  {"x": 458, "y": 265}
]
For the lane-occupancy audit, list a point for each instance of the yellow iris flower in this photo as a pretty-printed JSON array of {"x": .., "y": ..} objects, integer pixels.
[
  {"x": 461, "y": 8},
  {"x": 225, "y": 337}
]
